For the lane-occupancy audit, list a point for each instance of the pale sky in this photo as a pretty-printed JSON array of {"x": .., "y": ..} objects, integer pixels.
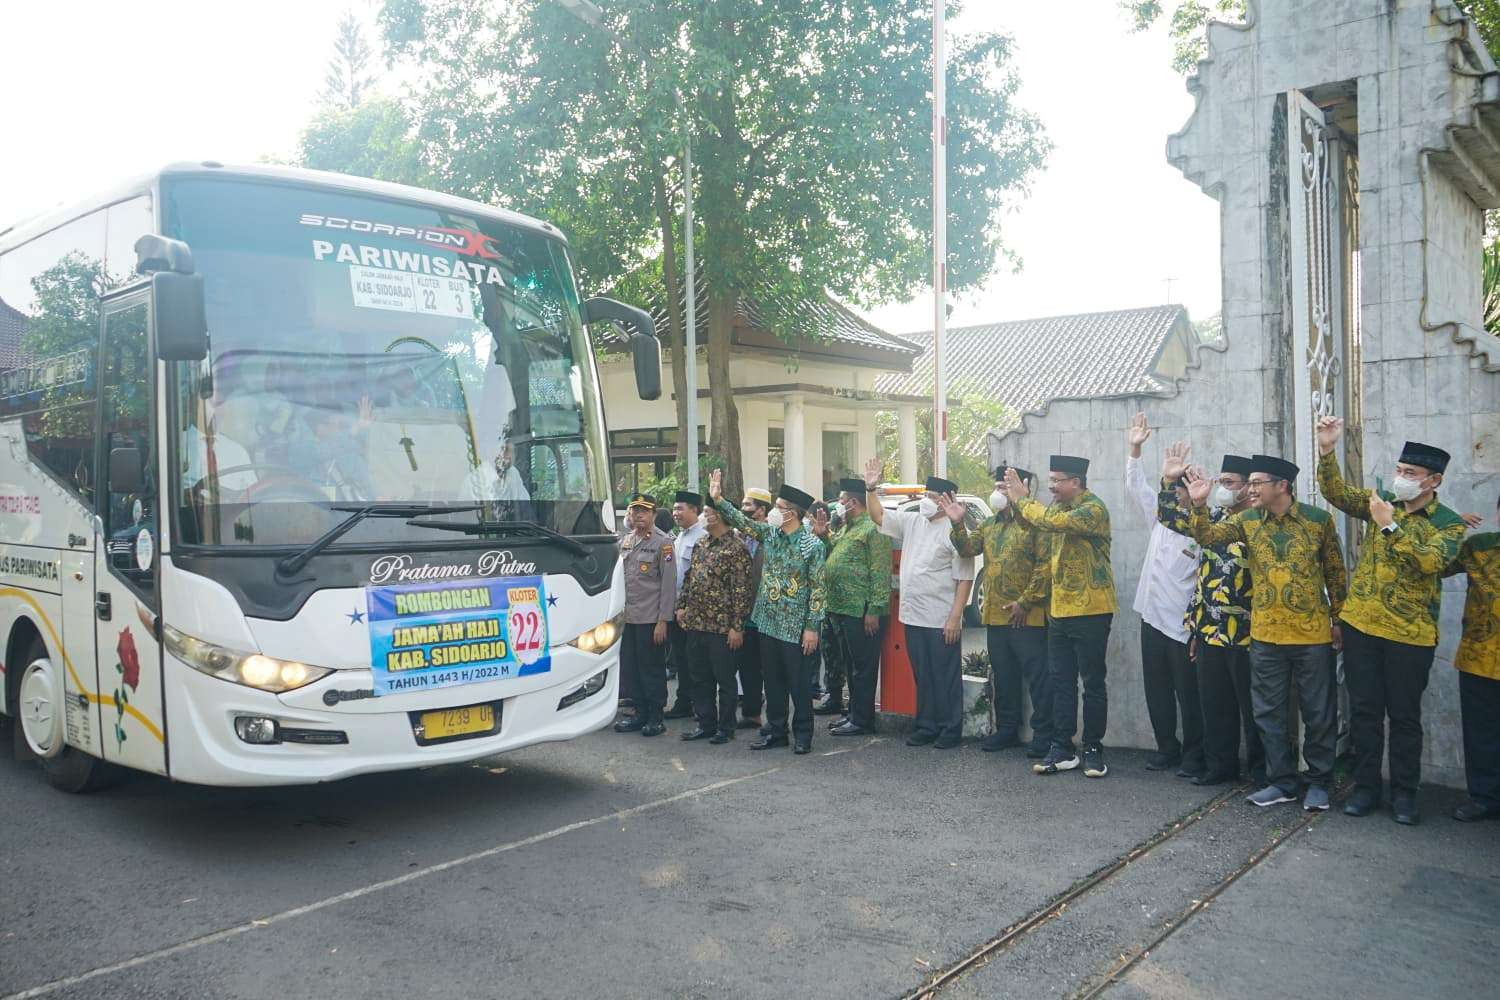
[{"x": 100, "y": 90}]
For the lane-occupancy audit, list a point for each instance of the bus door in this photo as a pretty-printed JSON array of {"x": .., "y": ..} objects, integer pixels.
[{"x": 126, "y": 590}]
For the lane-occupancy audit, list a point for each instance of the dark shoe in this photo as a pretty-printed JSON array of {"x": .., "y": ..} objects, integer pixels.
[
  {"x": 698, "y": 734},
  {"x": 999, "y": 741},
  {"x": 828, "y": 706},
  {"x": 1271, "y": 795},
  {"x": 1362, "y": 801},
  {"x": 1037, "y": 751},
  {"x": 626, "y": 703},
  {"x": 802, "y": 748},
  {"x": 848, "y": 729},
  {"x": 841, "y": 720},
  {"x": 653, "y": 729},
  {"x": 1093, "y": 762},
  {"x": 634, "y": 724},
  {"x": 1058, "y": 759},
  {"x": 945, "y": 742},
  {"x": 1162, "y": 762},
  {"x": 1203, "y": 780},
  {"x": 1473, "y": 812},
  {"x": 920, "y": 739},
  {"x": 678, "y": 712},
  {"x": 1404, "y": 809},
  {"x": 749, "y": 722},
  {"x": 768, "y": 743},
  {"x": 721, "y": 737}
]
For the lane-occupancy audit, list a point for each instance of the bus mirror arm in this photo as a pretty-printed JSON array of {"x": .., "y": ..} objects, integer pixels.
[
  {"x": 176, "y": 298},
  {"x": 645, "y": 349}
]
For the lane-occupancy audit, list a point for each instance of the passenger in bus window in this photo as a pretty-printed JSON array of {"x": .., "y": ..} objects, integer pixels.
[{"x": 209, "y": 453}]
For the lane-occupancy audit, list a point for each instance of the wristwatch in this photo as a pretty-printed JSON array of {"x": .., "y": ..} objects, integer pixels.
[{"x": 1390, "y": 529}]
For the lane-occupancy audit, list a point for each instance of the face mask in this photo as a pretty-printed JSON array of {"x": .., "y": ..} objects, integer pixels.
[
  {"x": 776, "y": 518},
  {"x": 1406, "y": 490},
  {"x": 928, "y": 508},
  {"x": 999, "y": 501},
  {"x": 1222, "y": 496},
  {"x": 837, "y": 512}
]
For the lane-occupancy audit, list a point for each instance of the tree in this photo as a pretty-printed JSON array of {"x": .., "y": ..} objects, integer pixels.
[
  {"x": 375, "y": 139},
  {"x": 347, "y": 82},
  {"x": 972, "y": 414},
  {"x": 810, "y": 127}
]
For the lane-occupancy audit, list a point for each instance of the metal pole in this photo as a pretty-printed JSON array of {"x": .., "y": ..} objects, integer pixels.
[
  {"x": 939, "y": 242},
  {"x": 690, "y": 313}
]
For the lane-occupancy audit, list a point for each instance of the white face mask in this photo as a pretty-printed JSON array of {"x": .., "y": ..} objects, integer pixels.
[
  {"x": 928, "y": 508},
  {"x": 837, "y": 511},
  {"x": 999, "y": 501},
  {"x": 776, "y": 518},
  {"x": 1406, "y": 490},
  {"x": 1222, "y": 496}
]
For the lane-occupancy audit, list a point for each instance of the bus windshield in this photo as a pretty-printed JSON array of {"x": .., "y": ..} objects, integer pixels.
[{"x": 366, "y": 351}]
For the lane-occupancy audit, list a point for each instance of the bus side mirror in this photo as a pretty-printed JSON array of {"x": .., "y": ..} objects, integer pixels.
[
  {"x": 127, "y": 471},
  {"x": 645, "y": 349},
  {"x": 176, "y": 298}
]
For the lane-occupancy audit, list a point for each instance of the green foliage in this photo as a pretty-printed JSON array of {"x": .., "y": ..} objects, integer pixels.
[
  {"x": 666, "y": 486},
  {"x": 1491, "y": 288},
  {"x": 972, "y": 413},
  {"x": 347, "y": 80},
  {"x": 374, "y": 139}
]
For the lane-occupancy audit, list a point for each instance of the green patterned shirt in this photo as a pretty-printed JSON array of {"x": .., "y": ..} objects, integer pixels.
[
  {"x": 857, "y": 574},
  {"x": 790, "y": 600},
  {"x": 1017, "y": 566}
]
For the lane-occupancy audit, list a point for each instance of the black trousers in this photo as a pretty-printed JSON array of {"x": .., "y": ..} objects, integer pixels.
[
  {"x": 1019, "y": 653},
  {"x": 1172, "y": 692},
  {"x": 836, "y": 667},
  {"x": 937, "y": 668},
  {"x": 752, "y": 684},
  {"x": 1274, "y": 668},
  {"x": 643, "y": 666},
  {"x": 1479, "y": 702},
  {"x": 713, "y": 671},
  {"x": 1385, "y": 680},
  {"x": 788, "y": 674},
  {"x": 682, "y": 699},
  {"x": 1224, "y": 693},
  {"x": 1076, "y": 650},
  {"x": 861, "y": 653}
]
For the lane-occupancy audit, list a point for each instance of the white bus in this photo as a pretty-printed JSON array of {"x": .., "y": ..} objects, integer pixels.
[{"x": 302, "y": 476}]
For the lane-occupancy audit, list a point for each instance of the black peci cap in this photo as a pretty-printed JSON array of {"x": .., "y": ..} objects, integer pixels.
[
  {"x": 1278, "y": 468},
  {"x": 937, "y": 484},
  {"x": 1070, "y": 465},
  {"x": 1426, "y": 456},
  {"x": 1023, "y": 473},
  {"x": 1236, "y": 465},
  {"x": 855, "y": 486},
  {"x": 795, "y": 497},
  {"x": 688, "y": 497}
]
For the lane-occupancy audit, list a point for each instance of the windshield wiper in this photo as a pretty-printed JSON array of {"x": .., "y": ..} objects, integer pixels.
[
  {"x": 293, "y": 564},
  {"x": 507, "y": 527}
]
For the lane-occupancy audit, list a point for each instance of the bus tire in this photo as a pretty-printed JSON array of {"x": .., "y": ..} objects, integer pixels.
[{"x": 41, "y": 709}]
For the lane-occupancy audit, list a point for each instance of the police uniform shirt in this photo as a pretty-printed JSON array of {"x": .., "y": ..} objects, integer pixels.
[{"x": 650, "y": 577}]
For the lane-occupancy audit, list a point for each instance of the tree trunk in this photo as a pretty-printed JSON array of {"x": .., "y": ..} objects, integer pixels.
[
  {"x": 677, "y": 346},
  {"x": 724, "y": 440}
]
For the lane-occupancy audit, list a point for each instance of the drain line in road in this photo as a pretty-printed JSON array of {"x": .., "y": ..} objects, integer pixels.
[
  {"x": 344, "y": 897},
  {"x": 1057, "y": 906}
]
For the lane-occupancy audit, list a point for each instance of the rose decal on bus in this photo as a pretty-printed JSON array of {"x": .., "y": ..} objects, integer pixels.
[{"x": 129, "y": 669}]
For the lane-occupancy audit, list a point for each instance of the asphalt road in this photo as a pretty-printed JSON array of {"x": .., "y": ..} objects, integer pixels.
[{"x": 623, "y": 867}]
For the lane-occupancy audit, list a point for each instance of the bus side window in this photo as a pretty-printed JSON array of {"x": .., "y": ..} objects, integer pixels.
[{"x": 127, "y": 424}]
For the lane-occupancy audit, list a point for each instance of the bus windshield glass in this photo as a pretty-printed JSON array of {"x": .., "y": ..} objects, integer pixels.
[{"x": 366, "y": 351}]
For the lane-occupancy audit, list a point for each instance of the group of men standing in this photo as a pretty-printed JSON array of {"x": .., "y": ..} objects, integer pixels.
[{"x": 1243, "y": 597}]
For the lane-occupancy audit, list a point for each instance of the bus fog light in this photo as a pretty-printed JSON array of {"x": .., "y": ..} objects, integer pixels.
[
  {"x": 253, "y": 729},
  {"x": 590, "y": 687}
]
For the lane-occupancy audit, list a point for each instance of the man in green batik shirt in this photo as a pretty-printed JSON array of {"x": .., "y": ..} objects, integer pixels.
[
  {"x": 1390, "y": 617},
  {"x": 857, "y": 579}
]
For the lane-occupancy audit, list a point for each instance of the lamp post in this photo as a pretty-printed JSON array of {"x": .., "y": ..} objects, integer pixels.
[
  {"x": 939, "y": 242},
  {"x": 589, "y": 13}
]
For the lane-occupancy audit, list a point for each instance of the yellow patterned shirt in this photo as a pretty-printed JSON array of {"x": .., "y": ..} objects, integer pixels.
[
  {"x": 1396, "y": 591},
  {"x": 1479, "y": 649},
  {"x": 1083, "y": 582},
  {"x": 1296, "y": 570},
  {"x": 1017, "y": 566}
]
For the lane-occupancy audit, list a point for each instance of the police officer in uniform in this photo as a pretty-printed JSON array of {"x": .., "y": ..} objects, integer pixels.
[{"x": 650, "y": 602}]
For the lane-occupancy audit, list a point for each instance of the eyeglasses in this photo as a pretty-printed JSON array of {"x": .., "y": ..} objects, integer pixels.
[
  {"x": 1256, "y": 484},
  {"x": 1059, "y": 480}
]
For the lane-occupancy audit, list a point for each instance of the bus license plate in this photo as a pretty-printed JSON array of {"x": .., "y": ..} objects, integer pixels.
[{"x": 458, "y": 721}]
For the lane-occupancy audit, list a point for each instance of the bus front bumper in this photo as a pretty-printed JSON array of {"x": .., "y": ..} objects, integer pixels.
[{"x": 204, "y": 747}]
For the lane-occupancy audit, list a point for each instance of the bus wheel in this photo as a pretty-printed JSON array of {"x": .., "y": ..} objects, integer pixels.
[{"x": 42, "y": 711}]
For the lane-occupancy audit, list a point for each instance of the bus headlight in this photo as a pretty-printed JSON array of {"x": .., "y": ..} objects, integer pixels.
[
  {"x": 601, "y": 636},
  {"x": 256, "y": 670}
]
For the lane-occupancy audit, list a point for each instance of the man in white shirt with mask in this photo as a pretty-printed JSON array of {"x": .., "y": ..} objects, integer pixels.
[
  {"x": 934, "y": 589},
  {"x": 1166, "y": 588}
]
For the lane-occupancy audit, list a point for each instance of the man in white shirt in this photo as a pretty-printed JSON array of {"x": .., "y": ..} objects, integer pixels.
[
  {"x": 934, "y": 589},
  {"x": 213, "y": 458},
  {"x": 687, "y": 508},
  {"x": 1168, "y": 577}
]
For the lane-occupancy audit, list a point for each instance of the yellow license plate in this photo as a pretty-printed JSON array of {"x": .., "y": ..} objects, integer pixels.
[{"x": 458, "y": 721}]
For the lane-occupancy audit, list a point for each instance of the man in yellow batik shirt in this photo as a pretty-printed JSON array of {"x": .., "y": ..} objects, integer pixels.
[
  {"x": 1478, "y": 663},
  {"x": 1017, "y": 565},
  {"x": 1081, "y": 608},
  {"x": 1391, "y": 617},
  {"x": 1297, "y": 574}
]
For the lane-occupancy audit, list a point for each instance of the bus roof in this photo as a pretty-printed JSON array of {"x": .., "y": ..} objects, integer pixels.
[{"x": 34, "y": 226}]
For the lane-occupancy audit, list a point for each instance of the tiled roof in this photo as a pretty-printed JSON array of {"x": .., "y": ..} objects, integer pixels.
[
  {"x": 1028, "y": 363},
  {"x": 12, "y": 325}
]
